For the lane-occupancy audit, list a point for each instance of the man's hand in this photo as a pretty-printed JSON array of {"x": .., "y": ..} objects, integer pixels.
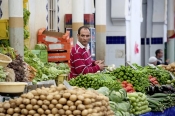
[
  {"x": 167, "y": 61},
  {"x": 102, "y": 66},
  {"x": 99, "y": 61}
]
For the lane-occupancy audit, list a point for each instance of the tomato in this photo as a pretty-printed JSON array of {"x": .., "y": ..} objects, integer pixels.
[
  {"x": 124, "y": 82},
  {"x": 129, "y": 85}
]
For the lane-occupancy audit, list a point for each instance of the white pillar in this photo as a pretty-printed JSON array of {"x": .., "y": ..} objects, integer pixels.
[
  {"x": 170, "y": 21},
  {"x": 100, "y": 11},
  {"x": 16, "y": 25},
  {"x": 88, "y": 7},
  {"x": 77, "y": 17}
]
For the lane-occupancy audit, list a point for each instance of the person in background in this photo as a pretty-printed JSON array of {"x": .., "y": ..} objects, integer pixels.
[
  {"x": 80, "y": 58},
  {"x": 153, "y": 60},
  {"x": 159, "y": 55}
]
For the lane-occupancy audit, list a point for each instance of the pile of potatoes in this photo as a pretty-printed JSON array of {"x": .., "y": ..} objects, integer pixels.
[
  {"x": 170, "y": 67},
  {"x": 58, "y": 101}
]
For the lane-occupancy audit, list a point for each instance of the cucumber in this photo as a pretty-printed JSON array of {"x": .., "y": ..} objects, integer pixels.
[{"x": 153, "y": 102}]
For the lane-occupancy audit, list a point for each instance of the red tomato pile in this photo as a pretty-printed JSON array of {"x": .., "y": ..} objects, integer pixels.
[
  {"x": 153, "y": 80},
  {"x": 128, "y": 87}
]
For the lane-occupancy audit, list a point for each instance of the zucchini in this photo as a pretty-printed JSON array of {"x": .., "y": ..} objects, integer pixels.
[
  {"x": 153, "y": 102},
  {"x": 158, "y": 95}
]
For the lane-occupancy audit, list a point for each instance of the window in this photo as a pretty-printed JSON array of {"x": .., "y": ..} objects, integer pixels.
[{"x": 52, "y": 18}]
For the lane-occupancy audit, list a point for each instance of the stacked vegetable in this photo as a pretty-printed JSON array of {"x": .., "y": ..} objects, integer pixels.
[
  {"x": 18, "y": 66},
  {"x": 170, "y": 67},
  {"x": 26, "y": 15},
  {"x": 153, "y": 80},
  {"x": 118, "y": 101},
  {"x": 161, "y": 101},
  {"x": 95, "y": 81},
  {"x": 137, "y": 78},
  {"x": 2, "y": 74},
  {"x": 139, "y": 103},
  {"x": 48, "y": 71},
  {"x": 58, "y": 101},
  {"x": 128, "y": 86}
]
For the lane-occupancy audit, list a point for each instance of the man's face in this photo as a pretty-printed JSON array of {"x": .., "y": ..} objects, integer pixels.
[
  {"x": 84, "y": 36},
  {"x": 160, "y": 54}
]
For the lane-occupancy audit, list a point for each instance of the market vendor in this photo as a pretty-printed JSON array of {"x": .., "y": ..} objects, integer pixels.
[
  {"x": 153, "y": 60},
  {"x": 159, "y": 55},
  {"x": 80, "y": 57}
]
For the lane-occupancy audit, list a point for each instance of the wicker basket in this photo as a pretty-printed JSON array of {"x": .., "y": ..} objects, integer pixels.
[{"x": 4, "y": 60}]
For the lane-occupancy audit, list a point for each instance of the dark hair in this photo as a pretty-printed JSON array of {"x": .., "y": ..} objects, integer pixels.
[
  {"x": 83, "y": 27},
  {"x": 158, "y": 51}
]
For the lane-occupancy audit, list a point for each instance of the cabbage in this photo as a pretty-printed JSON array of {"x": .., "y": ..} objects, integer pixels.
[
  {"x": 104, "y": 91},
  {"x": 40, "y": 47}
]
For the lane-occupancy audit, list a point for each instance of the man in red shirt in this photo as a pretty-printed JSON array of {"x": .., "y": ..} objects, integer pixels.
[{"x": 80, "y": 57}]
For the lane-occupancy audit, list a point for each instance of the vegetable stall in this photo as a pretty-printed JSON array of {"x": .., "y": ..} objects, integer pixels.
[{"x": 122, "y": 91}]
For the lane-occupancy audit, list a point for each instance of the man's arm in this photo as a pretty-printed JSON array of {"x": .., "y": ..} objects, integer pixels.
[{"x": 81, "y": 67}]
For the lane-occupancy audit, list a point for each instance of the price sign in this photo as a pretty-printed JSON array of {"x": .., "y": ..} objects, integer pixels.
[
  {"x": 68, "y": 86},
  {"x": 131, "y": 65},
  {"x": 153, "y": 66},
  {"x": 172, "y": 76}
]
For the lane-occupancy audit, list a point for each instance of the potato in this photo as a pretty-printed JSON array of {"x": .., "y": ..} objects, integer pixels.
[
  {"x": 73, "y": 98},
  {"x": 33, "y": 101},
  {"x": 42, "y": 97},
  {"x": 21, "y": 106},
  {"x": 19, "y": 101},
  {"x": 59, "y": 106},
  {"x": 24, "y": 111},
  {"x": 2, "y": 114},
  {"x": 36, "y": 97},
  {"x": 65, "y": 107},
  {"x": 36, "y": 115},
  {"x": 61, "y": 112},
  {"x": 10, "y": 111},
  {"x": 46, "y": 102},
  {"x": 54, "y": 101},
  {"x": 44, "y": 107},
  {"x": 16, "y": 114},
  {"x": 6, "y": 105},
  {"x": 2, "y": 110},
  {"x": 70, "y": 103},
  {"x": 87, "y": 101},
  {"x": 29, "y": 107},
  {"x": 72, "y": 108},
  {"x": 47, "y": 112},
  {"x": 51, "y": 106},
  {"x": 68, "y": 112},
  {"x": 80, "y": 97},
  {"x": 78, "y": 102},
  {"x": 26, "y": 101},
  {"x": 54, "y": 111},
  {"x": 49, "y": 97},
  {"x": 80, "y": 107},
  {"x": 17, "y": 110},
  {"x": 40, "y": 102},
  {"x": 57, "y": 97},
  {"x": 40, "y": 111},
  {"x": 66, "y": 95},
  {"x": 32, "y": 112},
  {"x": 62, "y": 101},
  {"x": 35, "y": 107},
  {"x": 76, "y": 112},
  {"x": 30, "y": 96},
  {"x": 34, "y": 92}
]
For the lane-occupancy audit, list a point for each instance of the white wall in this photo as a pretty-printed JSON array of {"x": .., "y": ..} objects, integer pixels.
[
  {"x": 65, "y": 7},
  {"x": 4, "y": 8},
  {"x": 37, "y": 19}
]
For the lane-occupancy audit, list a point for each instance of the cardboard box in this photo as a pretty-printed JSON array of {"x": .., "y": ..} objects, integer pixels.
[
  {"x": 45, "y": 36},
  {"x": 41, "y": 54},
  {"x": 58, "y": 57}
]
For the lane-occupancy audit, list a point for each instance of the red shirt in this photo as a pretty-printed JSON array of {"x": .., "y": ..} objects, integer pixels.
[{"x": 81, "y": 62}]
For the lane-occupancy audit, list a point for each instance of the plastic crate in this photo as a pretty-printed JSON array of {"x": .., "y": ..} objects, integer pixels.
[
  {"x": 61, "y": 78},
  {"x": 41, "y": 54}
]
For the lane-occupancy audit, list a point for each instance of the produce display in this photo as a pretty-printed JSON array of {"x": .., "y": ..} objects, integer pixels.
[
  {"x": 2, "y": 74},
  {"x": 118, "y": 101},
  {"x": 153, "y": 80},
  {"x": 18, "y": 66},
  {"x": 161, "y": 101},
  {"x": 136, "y": 77},
  {"x": 169, "y": 67},
  {"x": 30, "y": 72},
  {"x": 128, "y": 86},
  {"x": 58, "y": 101},
  {"x": 45, "y": 71},
  {"x": 139, "y": 103},
  {"x": 96, "y": 81}
]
